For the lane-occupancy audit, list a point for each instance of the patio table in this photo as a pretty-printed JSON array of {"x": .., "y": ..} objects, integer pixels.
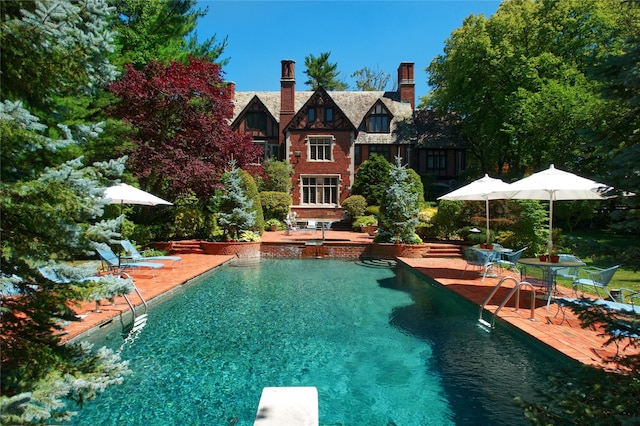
[
  {"x": 496, "y": 255},
  {"x": 548, "y": 268}
]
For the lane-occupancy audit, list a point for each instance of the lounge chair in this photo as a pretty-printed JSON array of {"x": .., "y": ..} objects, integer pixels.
[
  {"x": 113, "y": 263},
  {"x": 597, "y": 278},
  {"x": 479, "y": 258},
  {"x": 134, "y": 255},
  {"x": 58, "y": 278}
]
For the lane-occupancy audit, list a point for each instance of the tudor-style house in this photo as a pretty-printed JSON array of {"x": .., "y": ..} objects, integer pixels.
[{"x": 325, "y": 136}]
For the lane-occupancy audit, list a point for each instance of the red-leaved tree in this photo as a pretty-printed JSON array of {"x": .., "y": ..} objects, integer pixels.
[{"x": 181, "y": 115}]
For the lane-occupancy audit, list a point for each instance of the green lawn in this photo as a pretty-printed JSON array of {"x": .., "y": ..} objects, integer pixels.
[{"x": 604, "y": 249}]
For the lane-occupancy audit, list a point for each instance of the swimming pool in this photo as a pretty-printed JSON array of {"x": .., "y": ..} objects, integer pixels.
[{"x": 382, "y": 345}]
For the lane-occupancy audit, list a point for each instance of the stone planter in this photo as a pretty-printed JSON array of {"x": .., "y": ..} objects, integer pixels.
[
  {"x": 391, "y": 251},
  {"x": 370, "y": 229},
  {"x": 232, "y": 248}
]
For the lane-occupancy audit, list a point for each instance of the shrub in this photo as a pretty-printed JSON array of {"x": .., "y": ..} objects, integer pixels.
[
  {"x": 273, "y": 222},
  {"x": 278, "y": 177},
  {"x": 354, "y": 206},
  {"x": 361, "y": 221},
  {"x": 275, "y": 205},
  {"x": 188, "y": 218},
  {"x": 251, "y": 191},
  {"x": 448, "y": 219},
  {"x": 372, "y": 211},
  {"x": 372, "y": 179}
]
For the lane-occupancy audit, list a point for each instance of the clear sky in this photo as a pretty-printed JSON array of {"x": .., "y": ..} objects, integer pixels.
[{"x": 375, "y": 34}]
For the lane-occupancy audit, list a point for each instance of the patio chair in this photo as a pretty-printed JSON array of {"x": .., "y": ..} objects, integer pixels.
[
  {"x": 477, "y": 258},
  {"x": 312, "y": 225},
  {"x": 509, "y": 259},
  {"x": 571, "y": 272},
  {"x": 597, "y": 278},
  {"x": 113, "y": 263},
  {"x": 136, "y": 256}
]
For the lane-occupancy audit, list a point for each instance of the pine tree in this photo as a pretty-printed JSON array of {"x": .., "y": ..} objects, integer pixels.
[
  {"x": 236, "y": 213},
  {"x": 399, "y": 209},
  {"x": 50, "y": 205},
  {"x": 323, "y": 73}
]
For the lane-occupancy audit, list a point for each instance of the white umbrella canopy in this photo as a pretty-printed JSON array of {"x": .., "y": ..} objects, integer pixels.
[
  {"x": 483, "y": 189},
  {"x": 127, "y": 194},
  {"x": 553, "y": 184}
]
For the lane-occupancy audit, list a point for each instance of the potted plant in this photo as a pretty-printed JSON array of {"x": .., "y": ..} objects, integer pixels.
[{"x": 272, "y": 224}]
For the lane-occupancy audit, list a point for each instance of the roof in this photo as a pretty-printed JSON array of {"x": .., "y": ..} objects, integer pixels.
[{"x": 354, "y": 104}]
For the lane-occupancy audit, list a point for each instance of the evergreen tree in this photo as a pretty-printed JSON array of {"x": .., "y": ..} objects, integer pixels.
[
  {"x": 236, "y": 212},
  {"x": 399, "y": 209},
  {"x": 161, "y": 30},
  {"x": 322, "y": 73},
  {"x": 50, "y": 206}
]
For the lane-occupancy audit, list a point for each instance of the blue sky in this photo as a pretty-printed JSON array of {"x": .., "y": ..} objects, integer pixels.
[{"x": 375, "y": 34}]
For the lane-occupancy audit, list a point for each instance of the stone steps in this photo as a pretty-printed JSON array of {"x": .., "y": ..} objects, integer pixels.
[
  {"x": 186, "y": 247},
  {"x": 443, "y": 250}
]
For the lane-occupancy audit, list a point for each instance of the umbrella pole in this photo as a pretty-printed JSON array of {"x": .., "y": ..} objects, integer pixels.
[
  {"x": 486, "y": 209},
  {"x": 550, "y": 243}
]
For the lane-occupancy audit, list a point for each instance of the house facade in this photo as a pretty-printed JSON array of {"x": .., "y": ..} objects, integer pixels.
[{"x": 325, "y": 135}]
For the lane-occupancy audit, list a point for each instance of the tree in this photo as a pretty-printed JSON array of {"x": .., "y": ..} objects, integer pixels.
[
  {"x": 161, "y": 30},
  {"x": 322, "y": 73},
  {"x": 50, "y": 206},
  {"x": 180, "y": 114},
  {"x": 617, "y": 142},
  {"x": 399, "y": 209},
  {"x": 372, "y": 179},
  {"x": 371, "y": 80},
  {"x": 278, "y": 176},
  {"x": 236, "y": 210},
  {"x": 519, "y": 81}
]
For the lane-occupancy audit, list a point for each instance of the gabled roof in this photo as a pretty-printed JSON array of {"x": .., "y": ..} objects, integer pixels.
[{"x": 354, "y": 104}]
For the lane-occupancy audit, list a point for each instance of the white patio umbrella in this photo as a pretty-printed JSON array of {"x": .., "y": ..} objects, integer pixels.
[
  {"x": 482, "y": 189},
  {"x": 553, "y": 184},
  {"x": 127, "y": 194}
]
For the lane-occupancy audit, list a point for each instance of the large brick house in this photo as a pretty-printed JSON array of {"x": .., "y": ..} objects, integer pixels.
[{"x": 325, "y": 135}]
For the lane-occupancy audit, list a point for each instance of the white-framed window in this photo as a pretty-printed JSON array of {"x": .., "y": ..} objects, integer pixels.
[
  {"x": 320, "y": 190},
  {"x": 320, "y": 148}
]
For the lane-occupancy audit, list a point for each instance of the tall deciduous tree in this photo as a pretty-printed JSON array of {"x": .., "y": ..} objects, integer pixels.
[
  {"x": 368, "y": 79},
  {"x": 519, "y": 81},
  {"x": 50, "y": 205},
  {"x": 181, "y": 116},
  {"x": 323, "y": 73}
]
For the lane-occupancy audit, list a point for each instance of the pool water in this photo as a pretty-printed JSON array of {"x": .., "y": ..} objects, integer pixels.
[{"x": 382, "y": 345}]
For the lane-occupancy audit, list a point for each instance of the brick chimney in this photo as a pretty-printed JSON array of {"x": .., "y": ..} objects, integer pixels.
[
  {"x": 231, "y": 89},
  {"x": 406, "y": 83},
  {"x": 287, "y": 93}
]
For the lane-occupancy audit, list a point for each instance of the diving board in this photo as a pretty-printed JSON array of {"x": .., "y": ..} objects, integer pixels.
[{"x": 288, "y": 406}]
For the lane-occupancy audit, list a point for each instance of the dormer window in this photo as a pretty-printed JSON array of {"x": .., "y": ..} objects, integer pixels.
[
  {"x": 378, "y": 120},
  {"x": 256, "y": 121},
  {"x": 311, "y": 115}
]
